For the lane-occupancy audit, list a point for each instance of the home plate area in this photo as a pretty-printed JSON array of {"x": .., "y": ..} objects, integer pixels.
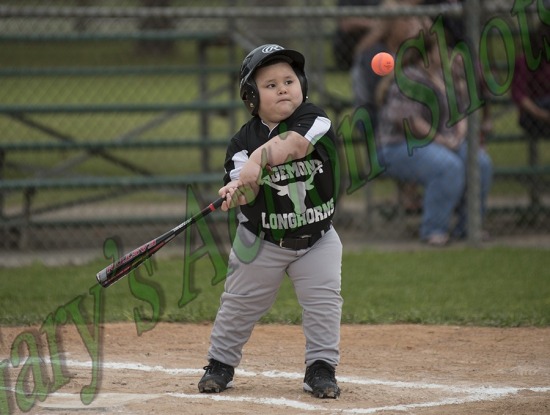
[
  {"x": 398, "y": 396},
  {"x": 401, "y": 369}
]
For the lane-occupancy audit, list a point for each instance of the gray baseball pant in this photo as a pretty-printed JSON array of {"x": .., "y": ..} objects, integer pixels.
[{"x": 253, "y": 280}]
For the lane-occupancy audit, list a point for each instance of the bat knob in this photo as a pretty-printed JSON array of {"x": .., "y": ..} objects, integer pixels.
[{"x": 103, "y": 278}]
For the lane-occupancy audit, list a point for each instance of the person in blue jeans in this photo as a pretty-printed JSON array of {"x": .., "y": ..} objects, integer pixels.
[{"x": 440, "y": 166}]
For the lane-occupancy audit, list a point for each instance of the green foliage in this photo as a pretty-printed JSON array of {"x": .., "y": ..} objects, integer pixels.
[{"x": 487, "y": 287}]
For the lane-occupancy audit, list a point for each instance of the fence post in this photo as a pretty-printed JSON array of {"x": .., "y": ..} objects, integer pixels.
[
  {"x": 471, "y": 15},
  {"x": 2, "y": 160}
]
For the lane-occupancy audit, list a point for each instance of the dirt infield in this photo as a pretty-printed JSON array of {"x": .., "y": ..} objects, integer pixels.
[{"x": 384, "y": 369}]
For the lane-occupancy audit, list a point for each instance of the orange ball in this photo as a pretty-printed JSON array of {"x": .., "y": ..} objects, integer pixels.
[{"x": 382, "y": 63}]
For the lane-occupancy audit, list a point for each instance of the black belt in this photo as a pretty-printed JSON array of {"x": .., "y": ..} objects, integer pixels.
[{"x": 298, "y": 242}]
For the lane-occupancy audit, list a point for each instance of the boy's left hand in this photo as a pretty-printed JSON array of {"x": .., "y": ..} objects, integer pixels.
[{"x": 236, "y": 194}]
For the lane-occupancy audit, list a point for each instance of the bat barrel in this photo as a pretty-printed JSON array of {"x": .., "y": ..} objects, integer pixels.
[{"x": 112, "y": 273}]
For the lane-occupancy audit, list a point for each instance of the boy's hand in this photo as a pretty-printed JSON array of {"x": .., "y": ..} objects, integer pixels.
[
  {"x": 236, "y": 196},
  {"x": 245, "y": 189}
]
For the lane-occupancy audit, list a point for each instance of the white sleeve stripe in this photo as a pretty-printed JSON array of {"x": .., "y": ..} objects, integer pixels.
[
  {"x": 239, "y": 159},
  {"x": 318, "y": 129}
]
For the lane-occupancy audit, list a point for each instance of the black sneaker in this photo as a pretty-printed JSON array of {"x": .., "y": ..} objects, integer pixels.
[
  {"x": 217, "y": 378},
  {"x": 321, "y": 381}
]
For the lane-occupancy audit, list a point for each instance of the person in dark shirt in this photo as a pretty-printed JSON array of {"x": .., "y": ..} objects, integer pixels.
[{"x": 531, "y": 86}]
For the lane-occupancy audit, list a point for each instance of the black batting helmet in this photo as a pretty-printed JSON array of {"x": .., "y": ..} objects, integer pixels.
[{"x": 259, "y": 57}]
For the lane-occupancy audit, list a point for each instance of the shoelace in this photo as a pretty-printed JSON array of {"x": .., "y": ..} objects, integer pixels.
[
  {"x": 323, "y": 371},
  {"x": 218, "y": 367}
]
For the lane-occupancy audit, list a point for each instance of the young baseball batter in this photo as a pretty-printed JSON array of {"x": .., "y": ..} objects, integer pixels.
[{"x": 281, "y": 170}]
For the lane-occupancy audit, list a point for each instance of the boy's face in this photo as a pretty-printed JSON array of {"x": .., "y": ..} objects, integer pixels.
[{"x": 280, "y": 92}]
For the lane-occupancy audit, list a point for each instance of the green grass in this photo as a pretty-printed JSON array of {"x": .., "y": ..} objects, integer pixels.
[
  {"x": 486, "y": 287},
  {"x": 500, "y": 287}
]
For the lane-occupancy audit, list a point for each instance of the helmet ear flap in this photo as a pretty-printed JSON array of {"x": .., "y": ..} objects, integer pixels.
[
  {"x": 250, "y": 96},
  {"x": 303, "y": 82}
]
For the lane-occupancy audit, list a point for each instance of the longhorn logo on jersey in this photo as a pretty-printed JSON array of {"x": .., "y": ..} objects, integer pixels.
[{"x": 296, "y": 190}]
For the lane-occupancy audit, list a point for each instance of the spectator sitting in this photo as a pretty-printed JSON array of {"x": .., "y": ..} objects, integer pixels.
[
  {"x": 531, "y": 88},
  {"x": 386, "y": 36},
  {"x": 440, "y": 166}
]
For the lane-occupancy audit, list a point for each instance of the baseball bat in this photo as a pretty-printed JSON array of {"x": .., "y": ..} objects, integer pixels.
[{"x": 114, "y": 272}]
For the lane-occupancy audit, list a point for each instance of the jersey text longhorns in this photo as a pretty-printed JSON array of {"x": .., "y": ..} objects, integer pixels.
[{"x": 293, "y": 220}]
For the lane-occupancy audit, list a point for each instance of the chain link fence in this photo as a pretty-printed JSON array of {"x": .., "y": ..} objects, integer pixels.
[{"x": 111, "y": 117}]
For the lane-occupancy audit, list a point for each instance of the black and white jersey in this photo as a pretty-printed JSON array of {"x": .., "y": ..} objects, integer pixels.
[{"x": 297, "y": 197}]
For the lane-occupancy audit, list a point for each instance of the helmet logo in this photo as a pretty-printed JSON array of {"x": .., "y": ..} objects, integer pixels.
[{"x": 271, "y": 48}]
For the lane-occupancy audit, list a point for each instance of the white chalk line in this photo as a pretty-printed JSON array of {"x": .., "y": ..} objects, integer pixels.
[{"x": 472, "y": 394}]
